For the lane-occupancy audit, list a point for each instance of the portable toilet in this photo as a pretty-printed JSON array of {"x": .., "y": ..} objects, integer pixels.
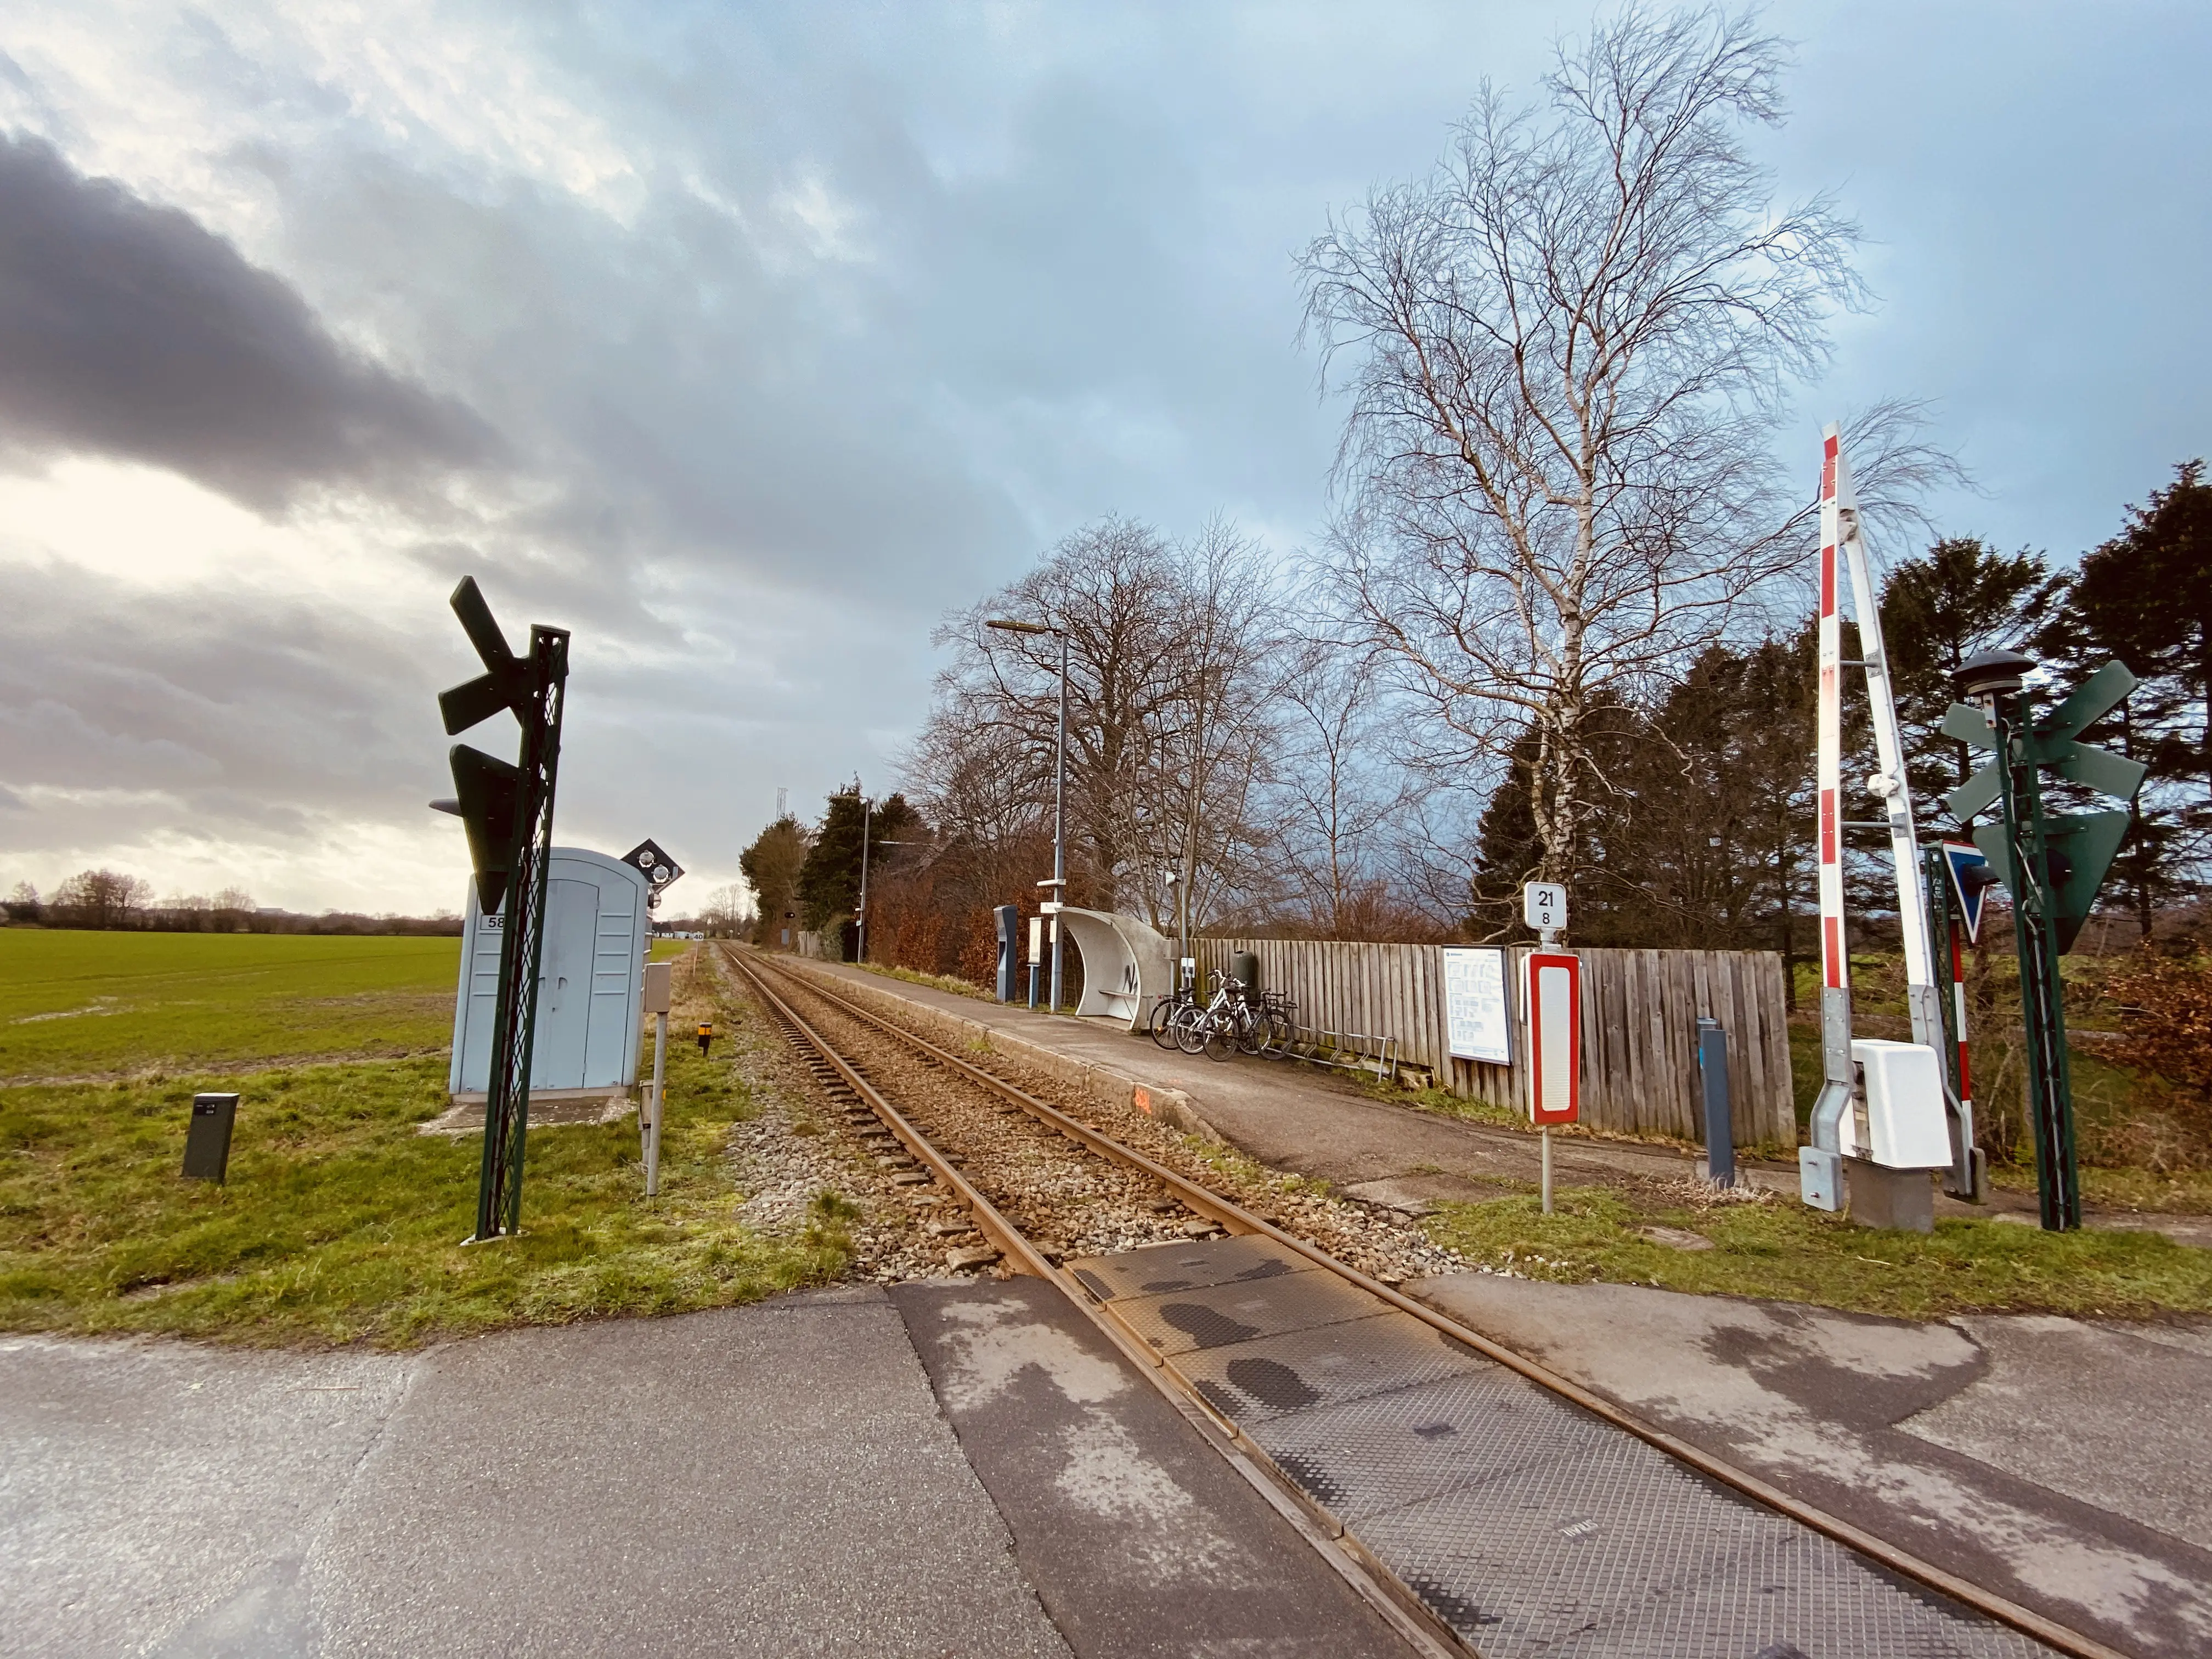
[{"x": 591, "y": 981}]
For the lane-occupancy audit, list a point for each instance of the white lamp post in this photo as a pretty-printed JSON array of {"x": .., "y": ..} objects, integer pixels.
[{"x": 1059, "y": 882}]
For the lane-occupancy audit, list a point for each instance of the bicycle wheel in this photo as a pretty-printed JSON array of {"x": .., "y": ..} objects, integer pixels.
[
  {"x": 1190, "y": 1027},
  {"x": 1251, "y": 1030},
  {"x": 1220, "y": 1033},
  {"x": 1161, "y": 1026}
]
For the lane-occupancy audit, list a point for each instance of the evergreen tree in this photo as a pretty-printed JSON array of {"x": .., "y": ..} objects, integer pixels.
[
  {"x": 771, "y": 864},
  {"x": 829, "y": 881},
  {"x": 1956, "y": 600},
  {"x": 2145, "y": 597}
]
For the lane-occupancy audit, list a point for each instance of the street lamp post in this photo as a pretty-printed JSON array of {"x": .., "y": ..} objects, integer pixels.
[
  {"x": 860, "y": 942},
  {"x": 867, "y": 811},
  {"x": 1059, "y": 882}
]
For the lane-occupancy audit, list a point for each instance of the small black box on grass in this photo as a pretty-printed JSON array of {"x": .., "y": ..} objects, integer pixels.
[{"x": 207, "y": 1143}]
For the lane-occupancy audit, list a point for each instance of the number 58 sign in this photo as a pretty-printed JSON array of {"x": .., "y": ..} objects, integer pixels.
[{"x": 1544, "y": 904}]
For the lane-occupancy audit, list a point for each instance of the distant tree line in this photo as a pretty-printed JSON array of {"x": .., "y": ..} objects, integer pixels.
[{"x": 113, "y": 901}]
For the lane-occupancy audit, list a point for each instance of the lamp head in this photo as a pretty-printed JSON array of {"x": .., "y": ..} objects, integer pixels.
[
  {"x": 1009, "y": 625},
  {"x": 1988, "y": 675}
]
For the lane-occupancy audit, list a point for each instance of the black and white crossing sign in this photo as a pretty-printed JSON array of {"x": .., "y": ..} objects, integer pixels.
[
  {"x": 659, "y": 869},
  {"x": 1544, "y": 905}
]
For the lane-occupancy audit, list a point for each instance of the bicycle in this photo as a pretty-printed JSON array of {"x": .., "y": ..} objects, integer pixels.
[
  {"x": 1230, "y": 1022},
  {"x": 1159, "y": 1024},
  {"x": 1279, "y": 1017}
]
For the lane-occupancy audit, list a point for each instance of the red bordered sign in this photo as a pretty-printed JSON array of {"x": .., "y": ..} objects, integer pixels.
[{"x": 1554, "y": 987}]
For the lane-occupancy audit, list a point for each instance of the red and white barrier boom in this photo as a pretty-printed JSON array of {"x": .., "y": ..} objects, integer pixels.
[{"x": 1890, "y": 1108}]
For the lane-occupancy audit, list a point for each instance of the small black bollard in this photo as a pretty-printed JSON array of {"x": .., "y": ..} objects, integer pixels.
[
  {"x": 1720, "y": 1122},
  {"x": 706, "y": 1036},
  {"x": 207, "y": 1142}
]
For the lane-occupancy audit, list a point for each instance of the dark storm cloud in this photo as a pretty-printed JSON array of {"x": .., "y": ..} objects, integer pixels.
[
  {"x": 255, "y": 712},
  {"x": 128, "y": 329}
]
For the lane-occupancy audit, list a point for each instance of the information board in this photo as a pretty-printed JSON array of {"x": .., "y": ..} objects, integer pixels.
[{"x": 1481, "y": 1023}]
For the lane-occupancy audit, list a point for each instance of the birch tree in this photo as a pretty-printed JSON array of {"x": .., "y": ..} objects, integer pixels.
[{"x": 1567, "y": 352}]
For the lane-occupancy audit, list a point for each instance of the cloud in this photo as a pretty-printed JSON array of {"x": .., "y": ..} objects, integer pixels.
[
  {"x": 130, "y": 329},
  {"x": 770, "y": 333}
]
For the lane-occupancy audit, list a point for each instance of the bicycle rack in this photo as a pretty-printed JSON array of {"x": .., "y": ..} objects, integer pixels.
[{"x": 1347, "y": 1051}]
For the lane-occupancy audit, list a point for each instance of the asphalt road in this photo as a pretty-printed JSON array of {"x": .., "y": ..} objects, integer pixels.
[
  {"x": 770, "y": 1480},
  {"x": 782, "y": 1479}
]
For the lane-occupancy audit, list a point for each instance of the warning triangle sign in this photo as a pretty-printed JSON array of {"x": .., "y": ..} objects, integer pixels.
[{"x": 1971, "y": 879}]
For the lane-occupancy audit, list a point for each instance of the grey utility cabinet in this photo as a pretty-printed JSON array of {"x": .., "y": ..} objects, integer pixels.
[{"x": 591, "y": 980}]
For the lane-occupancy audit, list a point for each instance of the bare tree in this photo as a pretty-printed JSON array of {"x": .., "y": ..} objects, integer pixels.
[
  {"x": 728, "y": 910},
  {"x": 1214, "y": 733},
  {"x": 1170, "y": 672},
  {"x": 1336, "y": 789},
  {"x": 102, "y": 898},
  {"x": 1569, "y": 349}
]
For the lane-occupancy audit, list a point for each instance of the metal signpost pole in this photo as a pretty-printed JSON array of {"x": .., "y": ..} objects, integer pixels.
[
  {"x": 2050, "y": 1082},
  {"x": 548, "y": 657},
  {"x": 658, "y": 998},
  {"x": 1060, "y": 828},
  {"x": 659, "y": 1096},
  {"x": 2052, "y": 863},
  {"x": 1544, "y": 908}
]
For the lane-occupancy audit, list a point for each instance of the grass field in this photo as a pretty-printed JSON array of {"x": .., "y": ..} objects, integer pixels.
[
  {"x": 76, "y": 1003},
  {"x": 339, "y": 1222}
]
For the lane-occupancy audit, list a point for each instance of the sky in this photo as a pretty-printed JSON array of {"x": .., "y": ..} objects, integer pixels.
[{"x": 746, "y": 341}]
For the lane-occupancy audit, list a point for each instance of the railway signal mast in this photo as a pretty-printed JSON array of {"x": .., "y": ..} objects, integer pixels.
[
  {"x": 2052, "y": 864},
  {"x": 1882, "y": 1106},
  {"x": 508, "y": 813}
]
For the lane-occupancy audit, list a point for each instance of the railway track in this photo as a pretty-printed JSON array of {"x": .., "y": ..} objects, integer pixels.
[{"x": 1482, "y": 1502}]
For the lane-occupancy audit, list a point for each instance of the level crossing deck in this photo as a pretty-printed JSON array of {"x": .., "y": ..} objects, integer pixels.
[{"x": 1528, "y": 1525}]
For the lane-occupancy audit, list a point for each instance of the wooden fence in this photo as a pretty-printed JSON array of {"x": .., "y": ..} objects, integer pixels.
[{"x": 1639, "y": 1026}]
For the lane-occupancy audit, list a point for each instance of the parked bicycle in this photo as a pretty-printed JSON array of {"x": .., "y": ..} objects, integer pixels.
[
  {"x": 1160, "y": 1023},
  {"x": 1231, "y": 1021}
]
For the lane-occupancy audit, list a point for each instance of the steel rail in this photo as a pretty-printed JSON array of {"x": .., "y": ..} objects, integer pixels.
[
  {"x": 1234, "y": 1217},
  {"x": 1368, "y": 1578}
]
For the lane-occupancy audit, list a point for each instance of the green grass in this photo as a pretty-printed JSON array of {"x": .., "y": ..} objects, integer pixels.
[
  {"x": 1784, "y": 1251},
  {"x": 2187, "y": 1192},
  {"x": 339, "y": 1223},
  {"x": 77, "y": 1003},
  {"x": 938, "y": 981}
]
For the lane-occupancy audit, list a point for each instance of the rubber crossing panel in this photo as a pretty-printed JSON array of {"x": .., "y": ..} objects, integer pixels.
[{"x": 1529, "y": 1526}]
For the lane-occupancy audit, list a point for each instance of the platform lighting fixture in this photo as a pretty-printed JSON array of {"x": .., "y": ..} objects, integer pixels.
[{"x": 1059, "y": 882}]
